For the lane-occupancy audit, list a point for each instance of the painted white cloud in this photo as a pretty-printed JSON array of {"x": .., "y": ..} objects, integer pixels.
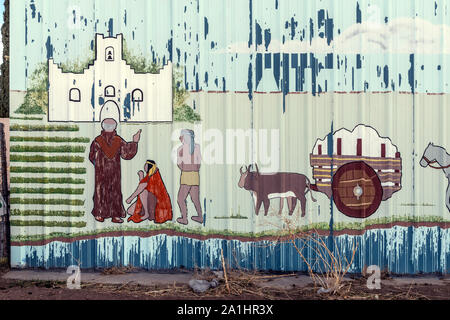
[
  {"x": 294, "y": 46},
  {"x": 401, "y": 35}
]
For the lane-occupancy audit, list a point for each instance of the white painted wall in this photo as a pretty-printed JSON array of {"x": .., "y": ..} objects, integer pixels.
[{"x": 156, "y": 88}]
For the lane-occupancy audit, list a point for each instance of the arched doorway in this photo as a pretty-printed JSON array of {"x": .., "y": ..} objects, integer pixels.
[{"x": 110, "y": 110}]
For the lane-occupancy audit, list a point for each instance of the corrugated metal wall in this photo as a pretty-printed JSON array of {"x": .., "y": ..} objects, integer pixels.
[
  {"x": 350, "y": 98},
  {"x": 4, "y": 217}
]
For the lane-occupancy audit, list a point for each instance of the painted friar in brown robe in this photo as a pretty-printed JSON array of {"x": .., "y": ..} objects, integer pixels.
[{"x": 106, "y": 151}]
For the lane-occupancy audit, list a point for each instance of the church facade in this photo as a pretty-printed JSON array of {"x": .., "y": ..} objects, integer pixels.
[{"x": 109, "y": 83}]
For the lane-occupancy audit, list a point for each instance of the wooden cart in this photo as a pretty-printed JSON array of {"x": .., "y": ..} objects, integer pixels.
[{"x": 356, "y": 183}]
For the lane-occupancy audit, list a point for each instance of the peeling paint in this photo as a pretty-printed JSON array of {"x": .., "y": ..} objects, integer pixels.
[
  {"x": 386, "y": 248},
  {"x": 267, "y": 65}
]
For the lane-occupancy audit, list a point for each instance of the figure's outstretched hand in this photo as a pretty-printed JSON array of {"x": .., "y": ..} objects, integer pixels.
[
  {"x": 137, "y": 136},
  {"x": 141, "y": 175},
  {"x": 129, "y": 200}
]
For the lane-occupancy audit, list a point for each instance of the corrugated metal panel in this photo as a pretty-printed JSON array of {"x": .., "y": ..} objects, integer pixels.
[
  {"x": 4, "y": 194},
  {"x": 353, "y": 96}
]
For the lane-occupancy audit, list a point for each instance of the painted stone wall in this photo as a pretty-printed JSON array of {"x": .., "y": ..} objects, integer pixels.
[{"x": 292, "y": 119}]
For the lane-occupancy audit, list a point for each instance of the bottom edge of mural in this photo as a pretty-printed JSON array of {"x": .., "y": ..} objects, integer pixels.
[
  {"x": 322, "y": 229},
  {"x": 399, "y": 249}
]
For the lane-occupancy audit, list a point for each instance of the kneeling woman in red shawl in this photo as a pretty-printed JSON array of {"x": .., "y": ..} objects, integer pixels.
[{"x": 153, "y": 201}]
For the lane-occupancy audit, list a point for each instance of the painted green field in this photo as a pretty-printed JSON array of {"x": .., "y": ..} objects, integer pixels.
[
  {"x": 19, "y": 169},
  {"x": 40, "y": 223},
  {"x": 69, "y": 202},
  {"x": 52, "y": 128},
  {"x": 16, "y": 190},
  {"x": 39, "y": 158},
  {"x": 49, "y": 139},
  {"x": 67, "y": 180},
  {"x": 36, "y": 197},
  {"x": 62, "y": 149},
  {"x": 43, "y": 213}
]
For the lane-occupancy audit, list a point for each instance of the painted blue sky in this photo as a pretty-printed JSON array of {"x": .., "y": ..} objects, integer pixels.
[{"x": 251, "y": 45}]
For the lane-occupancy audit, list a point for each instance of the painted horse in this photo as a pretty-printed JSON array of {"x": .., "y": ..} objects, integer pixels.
[{"x": 436, "y": 157}]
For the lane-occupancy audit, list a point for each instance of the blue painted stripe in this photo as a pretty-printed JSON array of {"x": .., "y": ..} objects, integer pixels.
[{"x": 402, "y": 250}]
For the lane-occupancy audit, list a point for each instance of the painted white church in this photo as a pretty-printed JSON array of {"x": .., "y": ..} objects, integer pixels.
[{"x": 108, "y": 84}]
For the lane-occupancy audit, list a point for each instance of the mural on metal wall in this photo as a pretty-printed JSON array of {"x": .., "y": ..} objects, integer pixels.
[{"x": 156, "y": 134}]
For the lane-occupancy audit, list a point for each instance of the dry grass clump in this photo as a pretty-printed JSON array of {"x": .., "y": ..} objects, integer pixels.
[
  {"x": 328, "y": 267},
  {"x": 118, "y": 270}
]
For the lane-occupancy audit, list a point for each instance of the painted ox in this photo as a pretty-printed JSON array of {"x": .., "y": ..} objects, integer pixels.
[{"x": 281, "y": 185}]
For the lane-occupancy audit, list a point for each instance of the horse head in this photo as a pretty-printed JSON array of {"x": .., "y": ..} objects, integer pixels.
[
  {"x": 428, "y": 155},
  {"x": 435, "y": 155}
]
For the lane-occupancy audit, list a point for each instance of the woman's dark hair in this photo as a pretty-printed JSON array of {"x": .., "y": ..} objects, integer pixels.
[{"x": 150, "y": 162}]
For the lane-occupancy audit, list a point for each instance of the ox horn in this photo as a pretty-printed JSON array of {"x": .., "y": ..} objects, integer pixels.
[
  {"x": 257, "y": 169},
  {"x": 240, "y": 169}
]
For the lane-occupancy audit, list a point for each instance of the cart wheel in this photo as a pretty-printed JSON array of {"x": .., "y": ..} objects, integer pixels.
[{"x": 357, "y": 190}]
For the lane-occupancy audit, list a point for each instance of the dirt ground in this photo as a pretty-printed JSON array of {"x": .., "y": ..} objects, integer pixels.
[{"x": 237, "y": 287}]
